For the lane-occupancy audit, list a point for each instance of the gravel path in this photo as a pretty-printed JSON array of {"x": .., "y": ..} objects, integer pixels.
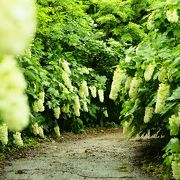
[{"x": 107, "y": 157}]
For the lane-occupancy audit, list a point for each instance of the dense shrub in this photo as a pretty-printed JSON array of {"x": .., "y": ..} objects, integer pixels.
[{"x": 146, "y": 81}]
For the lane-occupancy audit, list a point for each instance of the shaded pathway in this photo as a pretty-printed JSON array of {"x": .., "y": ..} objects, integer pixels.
[{"x": 107, "y": 156}]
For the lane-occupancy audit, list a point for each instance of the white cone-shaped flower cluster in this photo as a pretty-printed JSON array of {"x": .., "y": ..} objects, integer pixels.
[
  {"x": 57, "y": 112},
  {"x": 148, "y": 114},
  {"x": 133, "y": 91},
  {"x": 3, "y": 134},
  {"x": 35, "y": 129},
  {"x": 14, "y": 108},
  {"x": 101, "y": 95},
  {"x": 76, "y": 106},
  {"x": 128, "y": 83},
  {"x": 116, "y": 84},
  {"x": 17, "y": 139},
  {"x": 67, "y": 80},
  {"x": 57, "y": 131},
  {"x": 42, "y": 96},
  {"x": 149, "y": 71},
  {"x": 65, "y": 66},
  {"x": 85, "y": 107},
  {"x": 17, "y": 25},
  {"x": 38, "y": 105},
  {"x": 172, "y": 16},
  {"x": 83, "y": 91},
  {"x": 162, "y": 95},
  {"x": 65, "y": 108},
  {"x": 16, "y": 30},
  {"x": 176, "y": 169},
  {"x": 174, "y": 124},
  {"x": 93, "y": 91},
  {"x": 162, "y": 74},
  {"x": 41, "y": 132}
]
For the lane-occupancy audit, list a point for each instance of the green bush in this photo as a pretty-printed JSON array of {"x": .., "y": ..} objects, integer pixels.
[{"x": 146, "y": 81}]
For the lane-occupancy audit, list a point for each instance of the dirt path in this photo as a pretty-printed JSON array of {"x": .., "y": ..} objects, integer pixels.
[{"x": 107, "y": 156}]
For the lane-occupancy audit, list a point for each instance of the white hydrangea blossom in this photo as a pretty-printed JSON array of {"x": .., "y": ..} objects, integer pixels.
[
  {"x": 17, "y": 116},
  {"x": 38, "y": 106},
  {"x": 172, "y": 16},
  {"x": 65, "y": 108},
  {"x": 148, "y": 114},
  {"x": 14, "y": 107},
  {"x": 162, "y": 74},
  {"x": 57, "y": 112},
  {"x": 17, "y": 25},
  {"x": 149, "y": 71},
  {"x": 105, "y": 113},
  {"x": 3, "y": 134},
  {"x": 162, "y": 95},
  {"x": 101, "y": 95},
  {"x": 76, "y": 106},
  {"x": 35, "y": 129},
  {"x": 67, "y": 80},
  {"x": 133, "y": 91},
  {"x": 65, "y": 66},
  {"x": 93, "y": 91},
  {"x": 116, "y": 84},
  {"x": 128, "y": 83},
  {"x": 42, "y": 96},
  {"x": 85, "y": 107},
  {"x": 41, "y": 132},
  {"x": 17, "y": 139},
  {"x": 174, "y": 122},
  {"x": 83, "y": 91},
  {"x": 176, "y": 169},
  {"x": 57, "y": 131}
]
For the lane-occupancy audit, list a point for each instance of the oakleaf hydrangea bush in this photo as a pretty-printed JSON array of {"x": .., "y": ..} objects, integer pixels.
[
  {"x": 62, "y": 91},
  {"x": 61, "y": 99},
  {"x": 149, "y": 90}
]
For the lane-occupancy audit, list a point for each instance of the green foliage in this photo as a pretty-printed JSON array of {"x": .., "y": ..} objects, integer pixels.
[
  {"x": 120, "y": 20},
  {"x": 150, "y": 103},
  {"x": 77, "y": 126},
  {"x": 78, "y": 45},
  {"x": 58, "y": 62}
]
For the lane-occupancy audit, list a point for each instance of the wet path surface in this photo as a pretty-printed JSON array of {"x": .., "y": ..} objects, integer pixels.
[{"x": 107, "y": 156}]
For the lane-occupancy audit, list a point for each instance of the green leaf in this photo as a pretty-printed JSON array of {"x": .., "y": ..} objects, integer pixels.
[{"x": 175, "y": 95}]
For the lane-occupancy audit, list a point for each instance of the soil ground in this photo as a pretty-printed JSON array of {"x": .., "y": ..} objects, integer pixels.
[{"x": 106, "y": 155}]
